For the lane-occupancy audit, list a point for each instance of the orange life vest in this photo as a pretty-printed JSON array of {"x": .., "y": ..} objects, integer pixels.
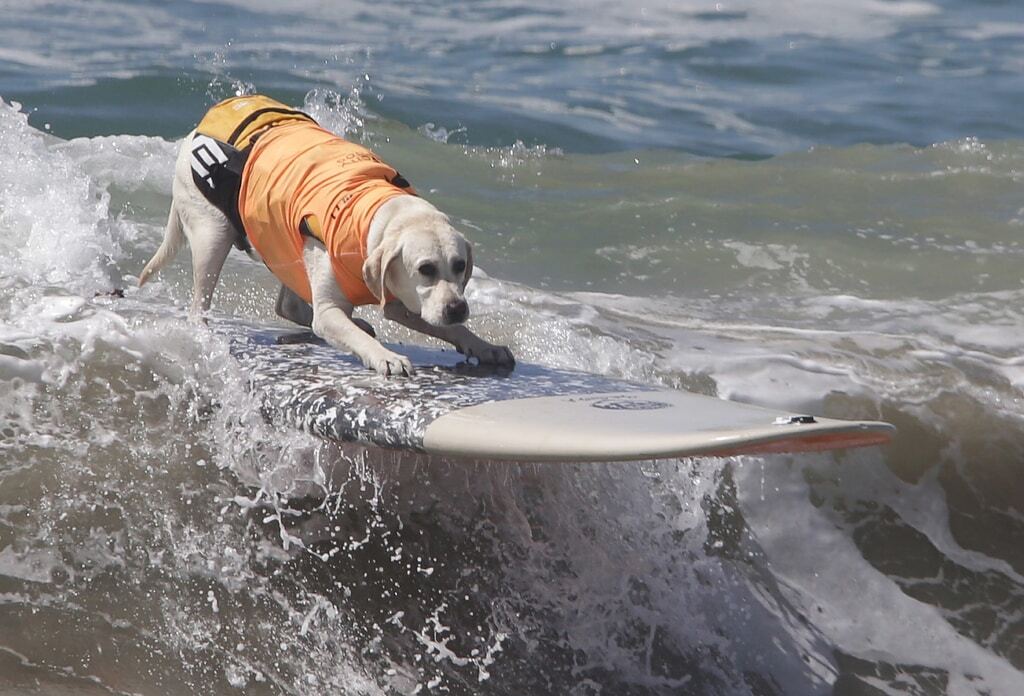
[
  {"x": 293, "y": 170},
  {"x": 298, "y": 170}
]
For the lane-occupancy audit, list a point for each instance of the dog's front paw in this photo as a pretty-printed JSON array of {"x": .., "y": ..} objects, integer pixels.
[
  {"x": 389, "y": 364},
  {"x": 488, "y": 353}
]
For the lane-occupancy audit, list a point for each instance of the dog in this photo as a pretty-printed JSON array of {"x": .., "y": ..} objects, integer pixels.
[{"x": 337, "y": 226}]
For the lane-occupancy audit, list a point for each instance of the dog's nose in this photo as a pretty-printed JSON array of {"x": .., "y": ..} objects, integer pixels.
[{"x": 456, "y": 312}]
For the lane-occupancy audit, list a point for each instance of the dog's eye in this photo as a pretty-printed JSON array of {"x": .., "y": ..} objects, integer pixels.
[
  {"x": 428, "y": 269},
  {"x": 458, "y": 266}
]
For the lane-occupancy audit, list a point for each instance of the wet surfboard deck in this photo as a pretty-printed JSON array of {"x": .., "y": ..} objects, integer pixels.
[{"x": 531, "y": 413}]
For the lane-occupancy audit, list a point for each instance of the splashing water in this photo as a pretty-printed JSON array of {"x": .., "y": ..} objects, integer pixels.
[{"x": 159, "y": 535}]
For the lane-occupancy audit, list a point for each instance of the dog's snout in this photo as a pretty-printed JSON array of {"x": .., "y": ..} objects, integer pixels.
[{"x": 456, "y": 312}]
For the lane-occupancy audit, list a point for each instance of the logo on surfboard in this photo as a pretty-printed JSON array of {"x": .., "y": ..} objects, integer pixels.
[{"x": 627, "y": 404}]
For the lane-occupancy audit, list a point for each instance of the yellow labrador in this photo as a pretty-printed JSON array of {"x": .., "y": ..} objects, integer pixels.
[{"x": 415, "y": 263}]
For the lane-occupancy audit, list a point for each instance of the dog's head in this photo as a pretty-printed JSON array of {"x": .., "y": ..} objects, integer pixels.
[{"x": 425, "y": 263}]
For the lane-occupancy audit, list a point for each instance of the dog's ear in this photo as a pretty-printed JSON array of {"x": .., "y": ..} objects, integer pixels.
[
  {"x": 375, "y": 269},
  {"x": 469, "y": 266}
]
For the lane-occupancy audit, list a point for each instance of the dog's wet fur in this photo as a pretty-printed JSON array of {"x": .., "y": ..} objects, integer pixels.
[{"x": 413, "y": 253}]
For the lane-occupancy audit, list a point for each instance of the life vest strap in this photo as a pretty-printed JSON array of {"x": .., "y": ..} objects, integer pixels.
[
  {"x": 244, "y": 123},
  {"x": 217, "y": 173}
]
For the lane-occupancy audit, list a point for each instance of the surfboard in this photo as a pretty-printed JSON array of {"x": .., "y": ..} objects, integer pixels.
[{"x": 530, "y": 413}]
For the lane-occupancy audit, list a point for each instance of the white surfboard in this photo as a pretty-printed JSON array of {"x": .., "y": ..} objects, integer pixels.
[{"x": 531, "y": 413}]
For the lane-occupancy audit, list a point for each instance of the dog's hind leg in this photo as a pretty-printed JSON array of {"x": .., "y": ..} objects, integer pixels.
[
  {"x": 208, "y": 256},
  {"x": 210, "y": 236},
  {"x": 293, "y": 308},
  {"x": 209, "y": 232}
]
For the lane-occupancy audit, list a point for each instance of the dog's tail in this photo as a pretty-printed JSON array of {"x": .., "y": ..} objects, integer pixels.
[{"x": 174, "y": 237}]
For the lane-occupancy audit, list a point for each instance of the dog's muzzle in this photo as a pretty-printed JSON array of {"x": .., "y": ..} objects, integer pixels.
[{"x": 455, "y": 312}]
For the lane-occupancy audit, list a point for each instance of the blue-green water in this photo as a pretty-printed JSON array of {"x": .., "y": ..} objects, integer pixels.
[
  {"x": 733, "y": 78},
  {"x": 808, "y": 204}
]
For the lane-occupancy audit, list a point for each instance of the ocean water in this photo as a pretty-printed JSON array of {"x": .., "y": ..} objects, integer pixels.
[{"x": 810, "y": 204}]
